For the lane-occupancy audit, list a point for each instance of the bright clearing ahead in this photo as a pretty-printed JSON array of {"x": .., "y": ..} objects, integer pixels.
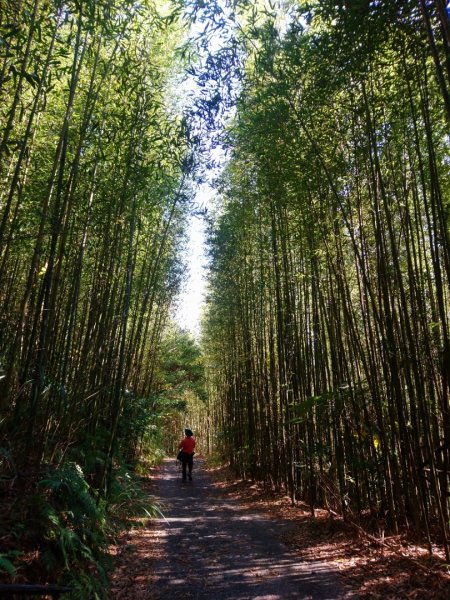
[{"x": 188, "y": 310}]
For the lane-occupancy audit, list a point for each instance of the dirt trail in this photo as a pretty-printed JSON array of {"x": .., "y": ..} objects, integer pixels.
[{"x": 210, "y": 548}]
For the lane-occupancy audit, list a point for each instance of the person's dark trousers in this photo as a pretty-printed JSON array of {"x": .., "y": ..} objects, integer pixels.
[{"x": 188, "y": 461}]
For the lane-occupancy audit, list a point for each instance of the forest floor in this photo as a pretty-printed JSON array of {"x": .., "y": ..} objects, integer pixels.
[{"x": 220, "y": 538}]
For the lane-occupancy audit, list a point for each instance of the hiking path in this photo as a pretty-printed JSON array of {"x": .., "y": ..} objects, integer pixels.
[{"x": 206, "y": 546}]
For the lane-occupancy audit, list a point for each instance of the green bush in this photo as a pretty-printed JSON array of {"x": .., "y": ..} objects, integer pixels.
[{"x": 75, "y": 525}]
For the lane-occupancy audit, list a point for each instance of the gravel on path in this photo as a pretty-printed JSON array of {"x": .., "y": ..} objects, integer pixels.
[{"x": 211, "y": 548}]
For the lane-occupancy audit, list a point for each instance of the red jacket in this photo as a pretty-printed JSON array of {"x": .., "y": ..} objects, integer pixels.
[{"x": 187, "y": 444}]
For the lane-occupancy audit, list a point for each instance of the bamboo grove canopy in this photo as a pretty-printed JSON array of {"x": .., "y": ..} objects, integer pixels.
[{"x": 328, "y": 322}]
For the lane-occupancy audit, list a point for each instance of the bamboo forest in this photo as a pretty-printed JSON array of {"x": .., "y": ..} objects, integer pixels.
[{"x": 320, "y": 371}]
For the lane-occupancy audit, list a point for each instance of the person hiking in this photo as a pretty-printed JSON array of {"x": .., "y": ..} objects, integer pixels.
[{"x": 187, "y": 446}]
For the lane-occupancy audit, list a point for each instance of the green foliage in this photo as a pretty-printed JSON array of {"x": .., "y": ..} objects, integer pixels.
[
  {"x": 127, "y": 500},
  {"x": 180, "y": 364},
  {"x": 101, "y": 240},
  {"x": 333, "y": 400},
  {"x": 94, "y": 157},
  {"x": 6, "y": 562},
  {"x": 83, "y": 585},
  {"x": 74, "y": 525},
  {"x": 325, "y": 260},
  {"x": 72, "y": 528},
  {"x": 180, "y": 399},
  {"x": 302, "y": 409},
  {"x": 70, "y": 491}
]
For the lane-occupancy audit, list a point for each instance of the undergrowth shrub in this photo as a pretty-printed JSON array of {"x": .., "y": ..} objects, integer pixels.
[
  {"x": 68, "y": 529},
  {"x": 126, "y": 498},
  {"x": 76, "y": 526},
  {"x": 6, "y": 564},
  {"x": 64, "y": 527}
]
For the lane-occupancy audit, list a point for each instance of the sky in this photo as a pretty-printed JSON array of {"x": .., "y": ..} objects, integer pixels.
[{"x": 188, "y": 309}]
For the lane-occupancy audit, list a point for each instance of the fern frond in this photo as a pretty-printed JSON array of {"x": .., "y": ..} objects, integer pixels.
[{"x": 7, "y": 566}]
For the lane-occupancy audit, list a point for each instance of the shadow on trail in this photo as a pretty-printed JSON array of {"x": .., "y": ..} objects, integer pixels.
[{"x": 214, "y": 550}]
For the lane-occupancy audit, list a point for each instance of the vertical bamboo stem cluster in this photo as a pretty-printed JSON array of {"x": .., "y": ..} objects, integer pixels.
[
  {"x": 328, "y": 323},
  {"x": 91, "y": 211}
]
